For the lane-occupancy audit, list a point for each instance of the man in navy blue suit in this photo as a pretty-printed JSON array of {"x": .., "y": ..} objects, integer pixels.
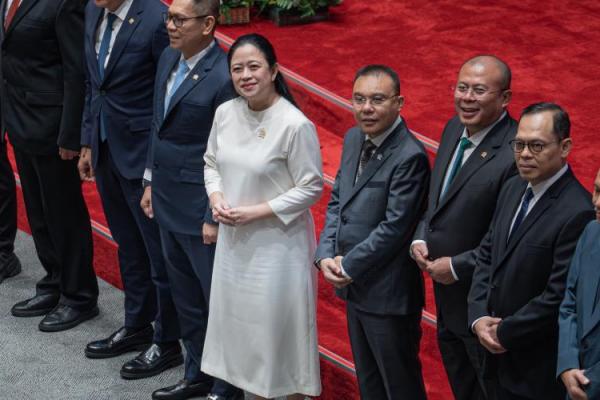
[
  {"x": 123, "y": 42},
  {"x": 578, "y": 363},
  {"x": 192, "y": 81}
]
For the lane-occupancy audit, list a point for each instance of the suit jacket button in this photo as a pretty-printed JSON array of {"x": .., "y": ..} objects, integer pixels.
[
  {"x": 155, "y": 165},
  {"x": 344, "y": 220},
  {"x": 103, "y": 93},
  {"x": 430, "y": 230}
]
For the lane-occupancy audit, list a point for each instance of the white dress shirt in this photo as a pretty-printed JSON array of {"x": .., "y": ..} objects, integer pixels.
[
  {"x": 476, "y": 139},
  {"x": 121, "y": 13},
  {"x": 191, "y": 62}
]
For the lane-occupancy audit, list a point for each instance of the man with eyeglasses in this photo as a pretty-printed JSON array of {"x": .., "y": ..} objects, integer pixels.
[
  {"x": 376, "y": 203},
  {"x": 472, "y": 164},
  {"x": 123, "y": 42},
  {"x": 523, "y": 261},
  {"x": 192, "y": 81}
]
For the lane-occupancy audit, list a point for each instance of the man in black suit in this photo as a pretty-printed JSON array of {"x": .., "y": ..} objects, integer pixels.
[
  {"x": 472, "y": 164},
  {"x": 42, "y": 101},
  {"x": 9, "y": 263},
  {"x": 375, "y": 205},
  {"x": 522, "y": 263},
  {"x": 123, "y": 42}
]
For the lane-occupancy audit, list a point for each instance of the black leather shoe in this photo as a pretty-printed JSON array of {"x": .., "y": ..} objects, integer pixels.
[
  {"x": 9, "y": 266},
  {"x": 154, "y": 360},
  {"x": 182, "y": 390},
  {"x": 41, "y": 304},
  {"x": 65, "y": 317},
  {"x": 122, "y": 341}
]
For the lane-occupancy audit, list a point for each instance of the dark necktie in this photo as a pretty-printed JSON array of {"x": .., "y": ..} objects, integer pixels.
[
  {"x": 12, "y": 10},
  {"x": 522, "y": 211},
  {"x": 105, "y": 43},
  {"x": 368, "y": 148},
  {"x": 463, "y": 145}
]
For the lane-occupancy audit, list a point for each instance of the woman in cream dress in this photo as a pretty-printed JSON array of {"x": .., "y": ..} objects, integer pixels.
[{"x": 262, "y": 173}]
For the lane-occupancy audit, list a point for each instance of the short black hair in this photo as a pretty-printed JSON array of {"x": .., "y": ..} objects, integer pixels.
[
  {"x": 561, "y": 124},
  {"x": 208, "y": 7},
  {"x": 504, "y": 68},
  {"x": 378, "y": 69}
]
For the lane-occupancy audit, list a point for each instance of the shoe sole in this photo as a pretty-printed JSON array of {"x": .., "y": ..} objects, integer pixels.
[
  {"x": 29, "y": 314},
  {"x": 14, "y": 269},
  {"x": 63, "y": 327},
  {"x": 175, "y": 361},
  {"x": 137, "y": 347}
]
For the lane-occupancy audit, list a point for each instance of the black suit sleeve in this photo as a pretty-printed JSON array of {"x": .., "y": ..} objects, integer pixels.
[
  {"x": 328, "y": 235},
  {"x": 464, "y": 263},
  {"x": 407, "y": 194},
  {"x": 69, "y": 29},
  {"x": 482, "y": 259},
  {"x": 160, "y": 40},
  {"x": 540, "y": 315}
]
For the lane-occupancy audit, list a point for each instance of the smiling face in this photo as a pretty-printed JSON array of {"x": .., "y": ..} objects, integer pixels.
[
  {"x": 378, "y": 103},
  {"x": 537, "y": 167},
  {"x": 195, "y": 33},
  {"x": 252, "y": 76},
  {"x": 596, "y": 197},
  {"x": 479, "y": 111}
]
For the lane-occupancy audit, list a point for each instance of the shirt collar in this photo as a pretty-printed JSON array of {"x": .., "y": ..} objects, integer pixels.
[
  {"x": 541, "y": 188},
  {"x": 121, "y": 11},
  {"x": 379, "y": 139},
  {"x": 193, "y": 60},
  {"x": 479, "y": 136}
]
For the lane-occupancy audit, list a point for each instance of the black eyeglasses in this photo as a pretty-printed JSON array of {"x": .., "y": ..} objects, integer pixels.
[
  {"x": 535, "y": 147},
  {"x": 178, "y": 21}
]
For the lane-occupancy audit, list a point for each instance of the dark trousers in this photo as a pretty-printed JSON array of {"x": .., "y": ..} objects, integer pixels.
[
  {"x": 189, "y": 265},
  {"x": 462, "y": 356},
  {"x": 386, "y": 354},
  {"x": 146, "y": 285},
  {"x": 496, "y": 391},
  {"x": 60, "y": 226},
  {"x": 8, "y": 204}
]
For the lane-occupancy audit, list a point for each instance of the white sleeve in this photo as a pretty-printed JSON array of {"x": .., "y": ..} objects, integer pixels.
[
  {"x": 212, "y": 178},
  {"x": 305, "y": 168}
]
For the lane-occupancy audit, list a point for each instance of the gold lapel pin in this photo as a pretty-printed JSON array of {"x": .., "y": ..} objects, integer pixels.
[
  {"x": 262, "y": 133},
  {"x": 131, "y": 21},
  {"x": 483, "y": 154},
  {"x": 195, "y": 77}
]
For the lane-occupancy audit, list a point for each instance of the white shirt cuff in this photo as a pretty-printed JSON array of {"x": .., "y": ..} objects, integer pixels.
[
  {"x": 452, "y": 270},
  {"x": 411, "y": 246},
  {"x": 344, "y": 271},
  {"x": 475, "y": 322},
  {"x": 148, "y": 174}
]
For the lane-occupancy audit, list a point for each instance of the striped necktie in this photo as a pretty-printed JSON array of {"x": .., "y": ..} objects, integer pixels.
[{"x": 12, "y": 10}]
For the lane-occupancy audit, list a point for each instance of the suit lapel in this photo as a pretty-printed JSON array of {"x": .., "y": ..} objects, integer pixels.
[
  {"x": 132, "y": 21},
  {"x": 194, "y": 77},
  {"x": 482, "y": 154},
  {"x": 92, "y": 25},
  {"x": 350, "y": 164},
  {"x": 21, "y": 12},
  {"x": 444, "y": 158},
  {"x": 163, "y": 79},
  {"x": 377, "y": 160},
  {"x": 538, "y": 210}
]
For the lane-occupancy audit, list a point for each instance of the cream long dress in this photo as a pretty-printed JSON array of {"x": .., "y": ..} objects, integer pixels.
[{"x": 262, "y": 333}]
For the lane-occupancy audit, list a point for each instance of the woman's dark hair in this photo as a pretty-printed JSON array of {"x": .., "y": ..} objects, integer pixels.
[{"x": 266, "y": 48}]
